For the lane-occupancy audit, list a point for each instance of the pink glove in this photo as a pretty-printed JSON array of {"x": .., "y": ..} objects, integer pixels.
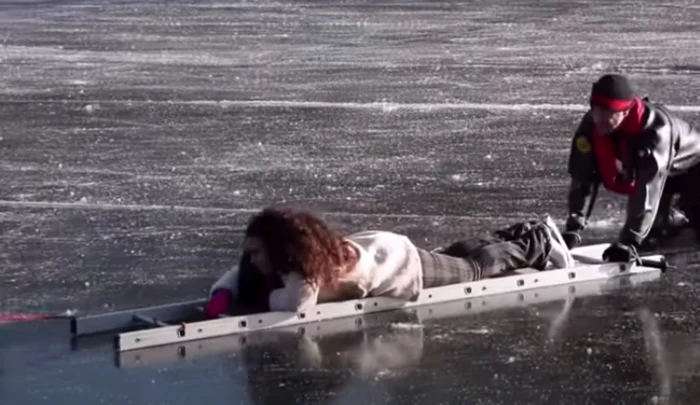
[{"x": 218, "y": 304}]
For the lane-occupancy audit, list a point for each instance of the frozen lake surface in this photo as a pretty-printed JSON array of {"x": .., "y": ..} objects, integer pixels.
[{"x": 137, "y": 138}]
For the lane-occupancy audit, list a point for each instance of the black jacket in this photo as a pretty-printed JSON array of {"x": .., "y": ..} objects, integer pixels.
[{"x": 667, "y": 146}]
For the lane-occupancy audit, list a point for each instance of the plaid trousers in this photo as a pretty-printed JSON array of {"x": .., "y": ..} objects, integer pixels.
[
  {"x": 523, "y": 245},
  {"x": 439, "y": 269}
]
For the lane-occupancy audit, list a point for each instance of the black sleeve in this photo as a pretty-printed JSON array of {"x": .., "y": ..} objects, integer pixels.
[
  {"x": 651, "y": 171},
  {"x": 583, "y": 169},
  {"x": 253, "y": 288}
]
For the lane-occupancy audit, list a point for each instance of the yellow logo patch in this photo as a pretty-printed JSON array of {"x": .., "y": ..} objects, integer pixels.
[{"x": 582, "y": 144}]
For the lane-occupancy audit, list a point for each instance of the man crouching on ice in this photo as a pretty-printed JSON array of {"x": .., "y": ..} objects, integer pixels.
[
  {"x": 301, "y": 262},
  {"x": 638, "y": 149}
]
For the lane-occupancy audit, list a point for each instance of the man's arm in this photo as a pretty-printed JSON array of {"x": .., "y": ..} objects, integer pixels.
[
  {"x": 652, "y": 171},
  {"x": 583, "y": 169},
  {"x": 581, "y": 199}
]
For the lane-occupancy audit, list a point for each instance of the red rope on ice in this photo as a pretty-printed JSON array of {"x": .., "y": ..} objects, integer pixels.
[{"x": 9, "y": 317}]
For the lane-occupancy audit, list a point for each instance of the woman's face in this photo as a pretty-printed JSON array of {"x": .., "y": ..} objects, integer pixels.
[{"x": 258, "y": 254}]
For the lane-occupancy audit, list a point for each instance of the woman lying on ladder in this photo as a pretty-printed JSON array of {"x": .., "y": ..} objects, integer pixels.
[{"x": 292, "y": 261}]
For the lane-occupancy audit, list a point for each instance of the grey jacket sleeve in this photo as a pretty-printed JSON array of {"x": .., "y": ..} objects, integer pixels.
[{"x": 651, "y": 171}]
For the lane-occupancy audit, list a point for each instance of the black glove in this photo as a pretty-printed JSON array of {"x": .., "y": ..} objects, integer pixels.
[
  {"x": 620, "y": 252},
  {"x": 574, "y": 223},
  {"x": 572, "y": 239}
]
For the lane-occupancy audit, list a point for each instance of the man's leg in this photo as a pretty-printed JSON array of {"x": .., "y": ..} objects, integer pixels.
[
  {"x": 669, "y": 219},
  {"x": 663, "y": 215},
  {"x": 689, "y": 201}
]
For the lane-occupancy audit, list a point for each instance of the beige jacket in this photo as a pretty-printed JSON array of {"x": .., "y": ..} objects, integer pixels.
[{"x": 388, "y": 266}]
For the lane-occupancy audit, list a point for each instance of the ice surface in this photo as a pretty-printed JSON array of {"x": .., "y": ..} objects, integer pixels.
[{"x": 137, "y": 138}]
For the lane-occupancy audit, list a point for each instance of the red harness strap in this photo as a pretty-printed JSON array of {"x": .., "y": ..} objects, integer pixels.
[
  {"x": 610, "y": 164},
  {"x": 610, "y": 160}
]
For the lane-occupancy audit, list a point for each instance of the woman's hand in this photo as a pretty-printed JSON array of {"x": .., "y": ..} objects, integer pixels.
[{"x": 218, "y": 304}]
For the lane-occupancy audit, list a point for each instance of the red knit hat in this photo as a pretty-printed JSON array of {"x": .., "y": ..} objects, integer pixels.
[{"x": 613, "y": 92}]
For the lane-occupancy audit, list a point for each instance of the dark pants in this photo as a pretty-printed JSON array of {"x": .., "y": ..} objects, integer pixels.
[
  {"x": 687, "y": 186},
  {"x": 672, "y": 219},
  {"x": 523, "y": 245}
]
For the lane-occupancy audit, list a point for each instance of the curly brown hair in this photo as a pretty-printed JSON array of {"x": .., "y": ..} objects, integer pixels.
[{"x": 297, "y": 240}]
